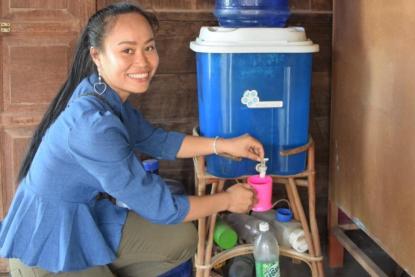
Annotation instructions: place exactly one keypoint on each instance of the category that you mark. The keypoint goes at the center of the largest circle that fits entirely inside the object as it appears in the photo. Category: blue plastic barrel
(252, 13)
(256, 81)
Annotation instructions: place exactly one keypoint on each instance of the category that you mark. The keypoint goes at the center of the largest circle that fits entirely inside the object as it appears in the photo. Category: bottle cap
(151, 165)
(263, 226)
(297, 241)
(283, 215)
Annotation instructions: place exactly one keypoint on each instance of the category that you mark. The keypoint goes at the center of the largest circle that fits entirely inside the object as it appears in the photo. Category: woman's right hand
(242, 198)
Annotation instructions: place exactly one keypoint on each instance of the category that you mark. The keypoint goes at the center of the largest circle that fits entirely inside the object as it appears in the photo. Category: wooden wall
(373, 132)
(172, 102)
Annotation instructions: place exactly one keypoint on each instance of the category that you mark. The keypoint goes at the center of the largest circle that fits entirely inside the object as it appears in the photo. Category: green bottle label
(267, 269)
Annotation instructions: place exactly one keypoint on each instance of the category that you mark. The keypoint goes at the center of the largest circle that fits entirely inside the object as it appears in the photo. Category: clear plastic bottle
(288, 232)
(266, 253)
(246, 226)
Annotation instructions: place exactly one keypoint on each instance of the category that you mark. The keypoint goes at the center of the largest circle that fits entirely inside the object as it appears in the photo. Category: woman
(84, 147)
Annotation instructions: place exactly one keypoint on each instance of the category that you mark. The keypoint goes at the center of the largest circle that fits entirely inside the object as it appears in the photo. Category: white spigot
(262, 167)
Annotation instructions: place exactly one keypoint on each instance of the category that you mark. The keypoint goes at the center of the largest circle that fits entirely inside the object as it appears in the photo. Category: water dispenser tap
(262, 167)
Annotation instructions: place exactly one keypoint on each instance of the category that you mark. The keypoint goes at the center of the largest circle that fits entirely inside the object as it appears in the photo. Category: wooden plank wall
(172, 102)
(373, 132)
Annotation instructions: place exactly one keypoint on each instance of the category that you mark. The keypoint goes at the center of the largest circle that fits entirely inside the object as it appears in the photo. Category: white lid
(263, 226)
(253, 40)
(297, 240)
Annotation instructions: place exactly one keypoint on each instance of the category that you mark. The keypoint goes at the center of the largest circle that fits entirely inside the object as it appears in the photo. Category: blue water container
(252, 13)
(256, 81)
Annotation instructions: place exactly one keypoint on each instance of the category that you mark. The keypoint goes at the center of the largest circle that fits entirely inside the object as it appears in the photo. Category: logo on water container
(251, 99)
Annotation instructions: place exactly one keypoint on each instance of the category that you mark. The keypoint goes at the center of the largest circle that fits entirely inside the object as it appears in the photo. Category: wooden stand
(204, 260)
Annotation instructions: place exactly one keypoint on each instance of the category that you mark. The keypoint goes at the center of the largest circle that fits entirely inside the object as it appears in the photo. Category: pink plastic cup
(263, 188)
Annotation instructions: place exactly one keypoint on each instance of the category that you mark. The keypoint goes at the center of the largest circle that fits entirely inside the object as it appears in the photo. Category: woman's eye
(150, 48)
(128, 51)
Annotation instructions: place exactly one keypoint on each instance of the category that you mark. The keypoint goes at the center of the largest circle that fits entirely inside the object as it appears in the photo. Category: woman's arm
(243, 146)
(238, 198)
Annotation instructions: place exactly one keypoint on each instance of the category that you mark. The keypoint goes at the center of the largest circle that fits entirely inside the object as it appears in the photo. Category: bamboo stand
(204, 260)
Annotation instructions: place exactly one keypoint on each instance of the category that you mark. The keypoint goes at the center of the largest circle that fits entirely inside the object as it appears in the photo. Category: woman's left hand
(244, 146)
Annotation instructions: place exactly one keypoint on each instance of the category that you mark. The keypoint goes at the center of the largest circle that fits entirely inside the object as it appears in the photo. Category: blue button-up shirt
(54, 221)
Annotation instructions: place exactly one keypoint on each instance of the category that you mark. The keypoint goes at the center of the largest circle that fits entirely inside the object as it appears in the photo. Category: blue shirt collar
(87, 86)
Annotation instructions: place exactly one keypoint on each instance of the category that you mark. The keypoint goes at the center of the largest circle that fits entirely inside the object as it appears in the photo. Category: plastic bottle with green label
(266, 253)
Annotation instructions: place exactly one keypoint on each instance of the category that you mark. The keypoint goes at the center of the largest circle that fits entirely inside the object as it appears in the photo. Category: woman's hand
(243, 146)
(241, 197)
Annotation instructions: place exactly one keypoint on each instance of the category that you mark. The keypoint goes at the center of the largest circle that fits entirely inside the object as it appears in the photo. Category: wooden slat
(358, 254)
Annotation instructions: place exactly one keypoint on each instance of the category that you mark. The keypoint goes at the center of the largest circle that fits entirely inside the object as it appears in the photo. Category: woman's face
(128, 59)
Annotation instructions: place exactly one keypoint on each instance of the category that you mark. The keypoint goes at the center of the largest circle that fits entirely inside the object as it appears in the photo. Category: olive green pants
(146, 250)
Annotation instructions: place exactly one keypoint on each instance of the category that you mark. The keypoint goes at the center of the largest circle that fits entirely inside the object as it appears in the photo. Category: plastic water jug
(252, 13)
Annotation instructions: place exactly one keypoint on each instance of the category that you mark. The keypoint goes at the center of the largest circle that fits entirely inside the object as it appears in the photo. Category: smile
(139, 76)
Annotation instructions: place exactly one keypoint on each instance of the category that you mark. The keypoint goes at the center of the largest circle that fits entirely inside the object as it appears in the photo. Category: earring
(100, 87)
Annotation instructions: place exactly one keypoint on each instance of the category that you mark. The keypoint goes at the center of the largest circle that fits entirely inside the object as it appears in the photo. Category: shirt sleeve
(99, 143)
(153, 141)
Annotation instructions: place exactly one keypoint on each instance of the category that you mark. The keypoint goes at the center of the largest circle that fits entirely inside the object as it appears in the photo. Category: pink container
(263, 188)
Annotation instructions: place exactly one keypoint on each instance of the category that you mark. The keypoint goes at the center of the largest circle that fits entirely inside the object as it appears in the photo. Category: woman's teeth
(138, 76)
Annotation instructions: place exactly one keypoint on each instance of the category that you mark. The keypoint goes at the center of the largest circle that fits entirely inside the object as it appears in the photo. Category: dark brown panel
(147, 4)
(372, 151)
(318, 29)
(37, 68)
(173, 4)
(44, 10)
(319, 117)
(14, 147)
(186, 16)
(322, 5)
(170, 98)
(320, 98)
(13, 119)
(180, 170)
(34, 63)
(205, 4)
(173, 40)
(299, 4)
(38, 4)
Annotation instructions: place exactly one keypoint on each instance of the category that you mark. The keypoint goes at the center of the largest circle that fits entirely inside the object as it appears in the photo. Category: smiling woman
(84, 149)
(129, 57)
